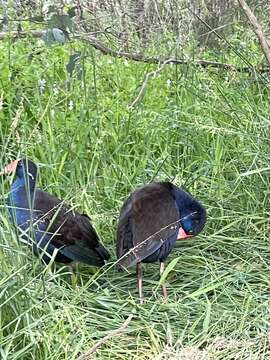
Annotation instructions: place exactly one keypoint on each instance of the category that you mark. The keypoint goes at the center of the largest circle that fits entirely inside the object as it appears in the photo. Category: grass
(205, 130)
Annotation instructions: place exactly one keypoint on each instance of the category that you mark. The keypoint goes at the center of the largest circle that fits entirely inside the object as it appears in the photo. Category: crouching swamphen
(49, 225)
(151, 220)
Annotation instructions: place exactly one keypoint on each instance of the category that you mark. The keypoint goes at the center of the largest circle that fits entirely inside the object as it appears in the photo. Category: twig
(124, 260)
(153, 59)
(217, 28)
(143, 87)
(22, 34)
(1, 101)
(93, 41)
(257, 29)
(100, 342)
(17, 117)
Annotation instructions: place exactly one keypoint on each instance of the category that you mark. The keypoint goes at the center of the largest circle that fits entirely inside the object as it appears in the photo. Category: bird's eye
(189, 230)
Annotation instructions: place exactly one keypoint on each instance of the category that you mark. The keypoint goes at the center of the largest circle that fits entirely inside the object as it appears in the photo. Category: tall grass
(205, 130)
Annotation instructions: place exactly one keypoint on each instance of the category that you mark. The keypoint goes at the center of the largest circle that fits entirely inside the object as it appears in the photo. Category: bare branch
(97, 44)
(157, 60)
(100, 342)
(152, 60)
(22, 34)
(257, 29)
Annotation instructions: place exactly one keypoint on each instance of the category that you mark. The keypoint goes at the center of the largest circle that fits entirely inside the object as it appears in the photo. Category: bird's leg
(161, 271)
(139, 279)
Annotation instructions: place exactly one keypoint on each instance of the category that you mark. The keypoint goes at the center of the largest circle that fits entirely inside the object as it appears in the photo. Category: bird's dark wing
(153, 217)
(124, 231)
(70, 232)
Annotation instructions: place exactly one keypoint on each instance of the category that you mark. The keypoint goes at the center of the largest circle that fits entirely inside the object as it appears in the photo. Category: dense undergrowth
(204, 129)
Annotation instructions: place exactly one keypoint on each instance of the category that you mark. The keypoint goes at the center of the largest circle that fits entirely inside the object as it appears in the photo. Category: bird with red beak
(151, 220)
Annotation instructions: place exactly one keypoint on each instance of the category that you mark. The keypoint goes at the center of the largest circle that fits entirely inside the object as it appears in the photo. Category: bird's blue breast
(19, 204)
(29, 221)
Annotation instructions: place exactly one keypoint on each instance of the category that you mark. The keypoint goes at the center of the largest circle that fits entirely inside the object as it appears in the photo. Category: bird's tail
(103, 253)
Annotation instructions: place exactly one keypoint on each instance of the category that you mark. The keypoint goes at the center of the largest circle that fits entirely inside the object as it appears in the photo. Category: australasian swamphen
(151, 220)
(49, 225)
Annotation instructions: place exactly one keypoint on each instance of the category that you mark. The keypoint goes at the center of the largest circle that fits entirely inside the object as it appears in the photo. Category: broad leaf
(74, 64)
(54, 36)
(63, 22)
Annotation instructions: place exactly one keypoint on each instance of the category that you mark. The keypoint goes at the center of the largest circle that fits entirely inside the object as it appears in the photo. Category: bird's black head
(192, 214)
(193, 218)
(26, 168)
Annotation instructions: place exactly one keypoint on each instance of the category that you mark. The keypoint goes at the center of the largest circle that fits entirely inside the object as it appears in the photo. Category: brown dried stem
(100, 342)
(97, 44)
(144, 84)
(257, 29)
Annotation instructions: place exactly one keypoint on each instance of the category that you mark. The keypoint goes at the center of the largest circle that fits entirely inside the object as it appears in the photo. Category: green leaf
(63, 22)
(54, 36)
(74, 64)
(253, 172)
(52, 9)
(73, 60)
(59, 36)
(206, 320)
(207, 288)
(37, 19)
(72, 11)
(4, 23)
(167, 270)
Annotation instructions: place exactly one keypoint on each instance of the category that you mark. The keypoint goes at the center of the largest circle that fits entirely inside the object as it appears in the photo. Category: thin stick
(140, 282)
(257, 29)
(164, 288)
(158, 59)
(21, 34)
(144, 84)
(111, 334)
(122, 261)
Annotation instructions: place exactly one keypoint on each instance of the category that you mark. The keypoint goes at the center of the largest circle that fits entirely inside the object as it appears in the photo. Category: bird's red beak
(182, 234)
(10, 168)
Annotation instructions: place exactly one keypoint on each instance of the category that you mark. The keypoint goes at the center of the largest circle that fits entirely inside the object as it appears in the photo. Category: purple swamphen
(49, 225)
(151, 220)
